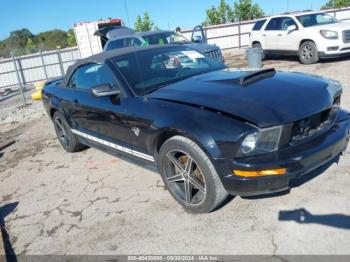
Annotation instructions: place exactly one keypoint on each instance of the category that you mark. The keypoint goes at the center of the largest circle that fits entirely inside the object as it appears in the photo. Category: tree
(24, 42)
(52, 39)
(71, 41)
(245, 10)
(18, 39)
(219, 15)
(145, 24)
(336, 4)
(31, 44)
(242, 10)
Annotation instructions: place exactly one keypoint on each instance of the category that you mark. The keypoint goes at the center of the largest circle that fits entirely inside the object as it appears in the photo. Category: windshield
(316, 19)
(165, 38)
(150, 69)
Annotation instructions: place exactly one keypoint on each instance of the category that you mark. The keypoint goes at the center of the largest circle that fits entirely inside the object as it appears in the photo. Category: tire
(308, 53)
(65, 136)
(200, 178)
(258, 45)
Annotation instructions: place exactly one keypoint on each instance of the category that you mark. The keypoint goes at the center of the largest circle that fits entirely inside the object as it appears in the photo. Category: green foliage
(144, 24)
(224, 13)
(18, 38)
(71, 41)
(245, 10)
(31, 44)
(336, 4)
(52, 39)
(24, 42)
(219, 15)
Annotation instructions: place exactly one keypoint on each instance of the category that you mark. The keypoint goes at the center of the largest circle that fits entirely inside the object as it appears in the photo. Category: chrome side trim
(114, 146)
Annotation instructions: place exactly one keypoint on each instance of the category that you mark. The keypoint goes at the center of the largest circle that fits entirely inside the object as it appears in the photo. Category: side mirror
(197, 39)
(104, 90)
(291, 28)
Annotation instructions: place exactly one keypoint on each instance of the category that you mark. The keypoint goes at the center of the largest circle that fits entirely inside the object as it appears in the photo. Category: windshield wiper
(153, 90)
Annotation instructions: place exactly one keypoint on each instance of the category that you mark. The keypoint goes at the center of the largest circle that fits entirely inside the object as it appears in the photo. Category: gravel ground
(93, 203)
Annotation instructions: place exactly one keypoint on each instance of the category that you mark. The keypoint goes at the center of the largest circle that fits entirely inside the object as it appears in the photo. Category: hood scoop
(241, 78)
(253, 77)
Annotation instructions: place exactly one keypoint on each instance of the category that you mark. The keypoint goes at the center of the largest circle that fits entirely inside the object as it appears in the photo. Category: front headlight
(329, 34)
(263, 141)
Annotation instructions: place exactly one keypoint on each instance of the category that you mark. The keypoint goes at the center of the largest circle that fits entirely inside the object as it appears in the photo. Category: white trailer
(88, 43)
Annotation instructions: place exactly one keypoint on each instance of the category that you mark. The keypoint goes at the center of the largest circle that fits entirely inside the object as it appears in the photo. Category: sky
(43, 15)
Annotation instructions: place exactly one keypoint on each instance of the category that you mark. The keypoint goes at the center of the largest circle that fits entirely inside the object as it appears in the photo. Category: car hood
(203, 48)
(275, 99)
(336, 26)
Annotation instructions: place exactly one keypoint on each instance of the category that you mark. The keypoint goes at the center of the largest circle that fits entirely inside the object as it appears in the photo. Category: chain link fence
(19, 73)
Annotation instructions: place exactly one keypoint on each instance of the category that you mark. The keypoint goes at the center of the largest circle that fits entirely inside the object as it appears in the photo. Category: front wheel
(190, 176)
(308, 53)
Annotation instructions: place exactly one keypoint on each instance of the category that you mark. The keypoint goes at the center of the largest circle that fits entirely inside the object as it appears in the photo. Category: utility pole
(127, 12)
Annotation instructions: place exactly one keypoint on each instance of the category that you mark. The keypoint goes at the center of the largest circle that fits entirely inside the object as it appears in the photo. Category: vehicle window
(128, 68)
(88, 76)
(316, 19)
(165, 38)
(148, 70)
(280, 23)
(258, 25)
(286, 22)
(115, 44)
(125, 42)
(275, 24)
(158, 39)
(132, 41)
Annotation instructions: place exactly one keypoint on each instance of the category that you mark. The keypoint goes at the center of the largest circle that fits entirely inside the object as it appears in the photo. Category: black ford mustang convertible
(210, 131)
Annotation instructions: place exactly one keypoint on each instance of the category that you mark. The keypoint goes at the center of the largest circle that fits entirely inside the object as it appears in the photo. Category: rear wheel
(190, 176)
(308, 53)
(67, 139)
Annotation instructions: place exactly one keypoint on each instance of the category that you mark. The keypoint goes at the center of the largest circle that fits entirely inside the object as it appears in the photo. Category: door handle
(279, 35)
(264, 34)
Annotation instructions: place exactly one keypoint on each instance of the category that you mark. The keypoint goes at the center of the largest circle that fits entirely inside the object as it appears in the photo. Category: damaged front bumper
(298, 160)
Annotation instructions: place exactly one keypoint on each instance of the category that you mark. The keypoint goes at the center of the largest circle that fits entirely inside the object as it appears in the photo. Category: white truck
(89, 43)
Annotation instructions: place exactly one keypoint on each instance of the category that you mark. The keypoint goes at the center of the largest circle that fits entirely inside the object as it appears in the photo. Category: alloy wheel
(307, 52)
(185, 178)
(61, 132)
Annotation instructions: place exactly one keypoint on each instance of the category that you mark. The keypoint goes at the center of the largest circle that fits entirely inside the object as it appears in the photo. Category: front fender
(216, 133)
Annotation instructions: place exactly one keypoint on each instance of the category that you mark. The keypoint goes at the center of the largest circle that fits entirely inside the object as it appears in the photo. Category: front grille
(216, 55)
(315, 124)
(346, 36)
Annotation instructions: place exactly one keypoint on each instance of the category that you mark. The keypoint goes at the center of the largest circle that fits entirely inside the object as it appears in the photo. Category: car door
(289, 39)
(102, 117)
(198, 35)
(271, 34)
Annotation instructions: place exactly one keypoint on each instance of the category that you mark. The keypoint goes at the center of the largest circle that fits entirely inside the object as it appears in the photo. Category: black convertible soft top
(101, 57)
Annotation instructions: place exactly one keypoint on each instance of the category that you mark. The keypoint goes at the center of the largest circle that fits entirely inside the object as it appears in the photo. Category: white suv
(309, 35)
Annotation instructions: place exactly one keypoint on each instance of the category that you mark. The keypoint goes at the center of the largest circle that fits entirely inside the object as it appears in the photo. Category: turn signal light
(269, 172)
